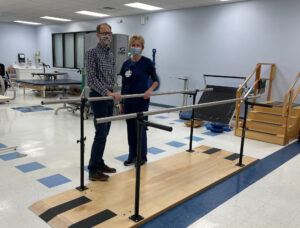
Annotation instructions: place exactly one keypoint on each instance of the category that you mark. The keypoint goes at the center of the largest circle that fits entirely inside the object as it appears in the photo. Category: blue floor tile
(29, 167)
(211, 133)
(176, 144)
(161, 117)
(11, 156)
(54, 180)
(122, 158)
(35, 108)
(180, 121)
(195, 138)
(2, 146)
(154, 150)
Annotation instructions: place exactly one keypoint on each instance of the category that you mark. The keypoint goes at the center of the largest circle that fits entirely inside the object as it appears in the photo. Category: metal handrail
(123, 96)
(249, 77)
(251, 88)
(168, 110)
(253, 73)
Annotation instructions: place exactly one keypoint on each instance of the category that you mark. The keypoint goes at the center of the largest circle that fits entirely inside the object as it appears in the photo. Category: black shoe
(106, 169)
(143, 162)
(129, 162)
(98, 176)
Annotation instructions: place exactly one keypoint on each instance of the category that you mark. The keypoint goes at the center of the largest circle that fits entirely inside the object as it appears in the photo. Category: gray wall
(16, 39)
(226, 39)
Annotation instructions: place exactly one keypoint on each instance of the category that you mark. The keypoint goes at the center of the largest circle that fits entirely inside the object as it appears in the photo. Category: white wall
(16, 39)
(225, 39)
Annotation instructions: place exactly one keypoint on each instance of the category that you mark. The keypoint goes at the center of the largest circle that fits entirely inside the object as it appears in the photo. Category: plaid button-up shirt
(100, 68)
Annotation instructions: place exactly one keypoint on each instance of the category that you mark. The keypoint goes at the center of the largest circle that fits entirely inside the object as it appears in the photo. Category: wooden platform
(164, 184)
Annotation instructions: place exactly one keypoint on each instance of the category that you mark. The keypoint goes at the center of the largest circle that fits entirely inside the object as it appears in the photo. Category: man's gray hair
(99, 27)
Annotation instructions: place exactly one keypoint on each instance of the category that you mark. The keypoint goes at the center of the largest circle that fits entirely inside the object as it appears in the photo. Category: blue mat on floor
(35, 108)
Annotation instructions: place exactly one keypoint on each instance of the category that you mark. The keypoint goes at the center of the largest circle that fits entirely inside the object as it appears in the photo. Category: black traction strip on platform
(94, 219)
(54, 211)
(211, 151)
(232, 157)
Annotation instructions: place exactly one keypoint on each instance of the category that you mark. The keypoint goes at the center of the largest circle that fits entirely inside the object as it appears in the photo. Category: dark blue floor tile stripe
(190, 211)
(35, 108)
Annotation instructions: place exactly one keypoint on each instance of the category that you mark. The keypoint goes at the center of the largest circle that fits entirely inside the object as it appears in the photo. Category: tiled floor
(46, 163)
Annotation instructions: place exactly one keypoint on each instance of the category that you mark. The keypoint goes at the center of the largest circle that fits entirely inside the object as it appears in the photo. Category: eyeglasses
(105, 33)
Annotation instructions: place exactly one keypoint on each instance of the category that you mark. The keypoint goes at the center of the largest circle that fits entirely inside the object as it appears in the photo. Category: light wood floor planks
(164, 184)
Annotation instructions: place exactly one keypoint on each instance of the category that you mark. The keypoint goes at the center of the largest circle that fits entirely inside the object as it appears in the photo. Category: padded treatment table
(41, 85)
(48, 76)
(4, 99)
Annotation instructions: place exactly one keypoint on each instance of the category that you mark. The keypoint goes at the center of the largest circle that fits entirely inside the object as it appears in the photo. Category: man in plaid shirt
(100, 67)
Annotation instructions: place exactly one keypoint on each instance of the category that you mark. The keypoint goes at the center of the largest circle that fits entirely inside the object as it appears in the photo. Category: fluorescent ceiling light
(55, 18)
(143, 6)
(28, 22)
(94, 14)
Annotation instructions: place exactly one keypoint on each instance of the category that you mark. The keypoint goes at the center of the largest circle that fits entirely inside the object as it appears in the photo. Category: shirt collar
(102, 48)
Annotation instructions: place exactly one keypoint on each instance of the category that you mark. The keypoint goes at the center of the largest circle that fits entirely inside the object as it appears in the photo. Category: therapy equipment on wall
(21, 58)
(154, 63)
(37, 57)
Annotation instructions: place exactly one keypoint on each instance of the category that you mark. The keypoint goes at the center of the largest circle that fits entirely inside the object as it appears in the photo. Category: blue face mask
(135, 50)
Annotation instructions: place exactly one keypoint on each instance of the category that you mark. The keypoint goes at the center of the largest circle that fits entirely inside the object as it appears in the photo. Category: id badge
(128, 73)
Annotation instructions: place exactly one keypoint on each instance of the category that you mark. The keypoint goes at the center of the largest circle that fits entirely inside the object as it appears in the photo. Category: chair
(5, 82)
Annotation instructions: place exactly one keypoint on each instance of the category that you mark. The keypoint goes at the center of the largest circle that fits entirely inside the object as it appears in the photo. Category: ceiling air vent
(109, 9)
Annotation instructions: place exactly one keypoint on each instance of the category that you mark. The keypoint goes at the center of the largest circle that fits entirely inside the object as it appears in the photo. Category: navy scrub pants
(132, 131)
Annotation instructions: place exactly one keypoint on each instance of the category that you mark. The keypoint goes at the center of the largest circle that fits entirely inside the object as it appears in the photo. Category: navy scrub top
(135, 77)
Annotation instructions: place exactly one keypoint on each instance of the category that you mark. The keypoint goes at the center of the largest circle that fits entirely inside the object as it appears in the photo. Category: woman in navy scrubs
(136, 72)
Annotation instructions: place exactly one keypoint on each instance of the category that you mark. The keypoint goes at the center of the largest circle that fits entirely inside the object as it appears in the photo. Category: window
(58, 50)
(79, 47)
(68, 50)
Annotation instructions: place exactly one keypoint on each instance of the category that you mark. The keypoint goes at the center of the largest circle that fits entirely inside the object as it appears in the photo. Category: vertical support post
(139, 125)
(243, 134)
(238, 109)
(287, 116)
(82, 144)
(192, 123)
(257, 78)
(272, 75)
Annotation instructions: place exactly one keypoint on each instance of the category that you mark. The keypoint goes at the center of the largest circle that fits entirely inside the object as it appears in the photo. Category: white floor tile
(49, 139)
